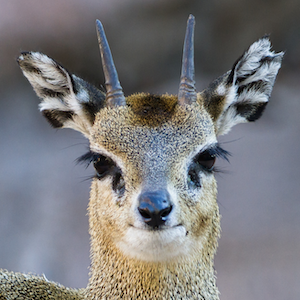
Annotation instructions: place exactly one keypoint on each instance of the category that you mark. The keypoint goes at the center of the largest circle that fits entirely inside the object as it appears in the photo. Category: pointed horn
(114, 92)
(187, 91)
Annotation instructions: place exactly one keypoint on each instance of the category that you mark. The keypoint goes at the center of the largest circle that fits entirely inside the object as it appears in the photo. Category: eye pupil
(206, 160)
(103, 166)
(207, 164)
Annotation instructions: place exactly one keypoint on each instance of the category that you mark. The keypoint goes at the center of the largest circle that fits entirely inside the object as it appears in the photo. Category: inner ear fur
(241, 94)
(67, 100)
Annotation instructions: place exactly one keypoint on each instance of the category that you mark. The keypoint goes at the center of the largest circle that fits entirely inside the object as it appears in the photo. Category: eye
(206, 160)
(103, 166)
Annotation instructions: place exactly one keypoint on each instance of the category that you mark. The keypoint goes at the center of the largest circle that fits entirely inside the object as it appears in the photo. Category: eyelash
(204, 162)
(102, 164)
(87, 158)
(206, 159)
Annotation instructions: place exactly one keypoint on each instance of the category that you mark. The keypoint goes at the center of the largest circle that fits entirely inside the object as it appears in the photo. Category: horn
(187, 91)
(114, 92)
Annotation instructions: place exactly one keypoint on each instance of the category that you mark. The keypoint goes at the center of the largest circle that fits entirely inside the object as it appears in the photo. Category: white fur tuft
(253, 78)
(54, 85)
(155, 246)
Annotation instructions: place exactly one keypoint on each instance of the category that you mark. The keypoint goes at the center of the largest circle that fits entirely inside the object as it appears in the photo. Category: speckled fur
(116, 276)
(153, 141)
(30, 287)
(131, 139)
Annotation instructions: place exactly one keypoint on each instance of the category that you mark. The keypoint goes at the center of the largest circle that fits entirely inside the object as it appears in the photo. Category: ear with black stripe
(242, 94)
(67, 101)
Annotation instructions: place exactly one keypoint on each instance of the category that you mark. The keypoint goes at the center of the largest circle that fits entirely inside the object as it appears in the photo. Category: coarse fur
(145, 144)
(28, 287)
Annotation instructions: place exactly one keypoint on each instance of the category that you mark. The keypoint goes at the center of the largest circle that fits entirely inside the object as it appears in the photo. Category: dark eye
(206, 160)
(202, 162)
(103, 166)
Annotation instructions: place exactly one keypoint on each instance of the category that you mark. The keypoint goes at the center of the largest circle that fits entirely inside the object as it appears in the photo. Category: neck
(112, 279)
(115, 276)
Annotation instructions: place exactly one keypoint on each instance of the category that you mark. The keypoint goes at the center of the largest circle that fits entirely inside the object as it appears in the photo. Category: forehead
(152, 124)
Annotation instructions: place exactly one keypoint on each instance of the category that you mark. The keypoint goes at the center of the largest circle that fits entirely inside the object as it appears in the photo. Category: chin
(159, 245)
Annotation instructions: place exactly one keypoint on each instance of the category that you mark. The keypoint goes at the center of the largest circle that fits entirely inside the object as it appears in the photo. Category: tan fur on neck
(115, 276)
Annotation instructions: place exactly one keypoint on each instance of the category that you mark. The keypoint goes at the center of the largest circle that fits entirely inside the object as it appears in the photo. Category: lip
(163, 228)
(161, 244)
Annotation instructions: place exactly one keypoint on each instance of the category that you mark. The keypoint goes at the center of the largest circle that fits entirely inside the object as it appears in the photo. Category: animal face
(138, 162)
(154, 193)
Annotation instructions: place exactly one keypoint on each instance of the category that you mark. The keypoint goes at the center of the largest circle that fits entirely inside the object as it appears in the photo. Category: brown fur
(214, 103)
(31, 287)
(115, 276)
(122, 133)
(152, 110)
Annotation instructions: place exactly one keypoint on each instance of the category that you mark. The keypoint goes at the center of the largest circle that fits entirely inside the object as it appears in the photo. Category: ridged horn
(187, 91)
(114, 91)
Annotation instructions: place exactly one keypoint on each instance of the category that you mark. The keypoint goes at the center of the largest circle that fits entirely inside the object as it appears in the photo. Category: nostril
(155, 207)
(145, 213)
(166, 211)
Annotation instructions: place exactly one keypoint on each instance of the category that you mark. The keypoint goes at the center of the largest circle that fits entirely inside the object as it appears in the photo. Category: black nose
(155, 207)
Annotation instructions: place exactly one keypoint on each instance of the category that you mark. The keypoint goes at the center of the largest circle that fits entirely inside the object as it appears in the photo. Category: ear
(67, 101)
(242, 94)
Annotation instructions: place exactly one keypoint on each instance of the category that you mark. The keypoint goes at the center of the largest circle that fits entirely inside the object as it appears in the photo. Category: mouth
(161, 244)
(159, 228)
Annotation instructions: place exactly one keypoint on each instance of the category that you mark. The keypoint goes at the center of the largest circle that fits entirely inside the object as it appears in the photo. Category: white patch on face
(170, 242)
(155, 245)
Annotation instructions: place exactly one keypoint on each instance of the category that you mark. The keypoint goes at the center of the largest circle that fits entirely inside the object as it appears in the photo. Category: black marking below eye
(119, 184)
(193, 178)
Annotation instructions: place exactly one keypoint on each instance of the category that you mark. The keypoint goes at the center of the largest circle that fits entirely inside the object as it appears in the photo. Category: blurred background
(44, 194)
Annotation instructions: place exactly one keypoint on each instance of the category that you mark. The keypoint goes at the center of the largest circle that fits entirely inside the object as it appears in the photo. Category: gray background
(44, 195)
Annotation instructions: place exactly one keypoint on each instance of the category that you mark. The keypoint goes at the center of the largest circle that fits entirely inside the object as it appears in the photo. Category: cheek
(208, 198)
(102, 206)
(101, 194)
(198, 216)
(106, 211)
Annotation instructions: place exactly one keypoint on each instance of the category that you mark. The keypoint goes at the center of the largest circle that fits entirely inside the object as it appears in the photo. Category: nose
(154, 207)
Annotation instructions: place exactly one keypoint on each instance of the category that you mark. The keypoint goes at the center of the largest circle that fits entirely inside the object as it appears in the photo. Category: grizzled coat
(154, 218)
